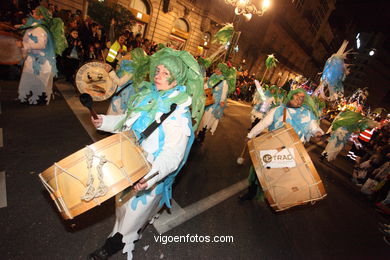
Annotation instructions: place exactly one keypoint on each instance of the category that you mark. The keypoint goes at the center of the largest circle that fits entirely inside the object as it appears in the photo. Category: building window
(206, 39)
(298, 4)
(181, 25)
(324, 5)
(141, 11)
(140, 6)
(180, 34)
(316, 23)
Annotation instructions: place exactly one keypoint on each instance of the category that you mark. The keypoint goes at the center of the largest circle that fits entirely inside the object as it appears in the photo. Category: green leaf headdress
(56, 28)
(224, 35)
(352, 121)
(185, 70)
(141, 63)
(229, 74)
(271, 61)
(308, 102)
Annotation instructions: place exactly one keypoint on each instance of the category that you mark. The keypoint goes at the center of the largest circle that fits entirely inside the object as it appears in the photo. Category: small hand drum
(92, 78)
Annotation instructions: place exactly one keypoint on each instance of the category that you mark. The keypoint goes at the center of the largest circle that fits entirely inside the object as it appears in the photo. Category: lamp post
(247, 9)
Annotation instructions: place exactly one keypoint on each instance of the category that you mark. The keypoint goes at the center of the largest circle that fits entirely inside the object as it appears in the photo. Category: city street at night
(341, 226)
(194, 129)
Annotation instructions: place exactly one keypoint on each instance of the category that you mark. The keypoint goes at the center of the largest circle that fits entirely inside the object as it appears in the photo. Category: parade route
(178, 215)
(343, 225)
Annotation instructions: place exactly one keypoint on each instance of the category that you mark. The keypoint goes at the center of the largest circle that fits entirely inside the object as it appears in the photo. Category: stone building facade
(179, 23)
(297, 32)
(299, 35)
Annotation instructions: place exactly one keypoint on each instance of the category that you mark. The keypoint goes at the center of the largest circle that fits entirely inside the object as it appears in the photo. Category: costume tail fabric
(337, 141)
(333, 75)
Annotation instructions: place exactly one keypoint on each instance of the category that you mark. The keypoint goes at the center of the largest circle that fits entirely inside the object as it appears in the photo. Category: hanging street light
(246, 8)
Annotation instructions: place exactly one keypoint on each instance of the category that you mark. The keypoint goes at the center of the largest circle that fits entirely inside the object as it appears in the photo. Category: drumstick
(240, 160)
(86, 100)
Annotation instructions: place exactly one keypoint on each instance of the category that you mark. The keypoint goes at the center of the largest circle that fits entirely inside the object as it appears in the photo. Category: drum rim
(92, 61)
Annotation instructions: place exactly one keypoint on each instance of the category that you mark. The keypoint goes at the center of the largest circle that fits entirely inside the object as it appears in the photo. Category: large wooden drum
(94, 174)
(284, 169)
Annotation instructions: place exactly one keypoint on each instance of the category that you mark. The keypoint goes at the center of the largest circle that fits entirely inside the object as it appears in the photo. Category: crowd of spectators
(245, 87)
(372, 165)
(87, 40)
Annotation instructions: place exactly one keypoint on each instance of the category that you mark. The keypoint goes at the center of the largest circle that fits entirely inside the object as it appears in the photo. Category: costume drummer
(125, 89)
(176, 79)
(262, 102)
(39, 68)
(300, 114)
(222, 83)
(343, 126)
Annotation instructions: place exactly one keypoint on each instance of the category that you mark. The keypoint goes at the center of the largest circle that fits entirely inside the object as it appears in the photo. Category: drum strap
(216, 84)
(153, 126)
(284, 115)
(123, 88)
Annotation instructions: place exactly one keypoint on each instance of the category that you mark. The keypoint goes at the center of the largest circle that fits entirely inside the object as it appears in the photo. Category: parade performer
(121, 78)
(175, 79)
(343, 126)
(262, 102)
(333, 75)
(43, 39)
(298, 109)
(222, 83)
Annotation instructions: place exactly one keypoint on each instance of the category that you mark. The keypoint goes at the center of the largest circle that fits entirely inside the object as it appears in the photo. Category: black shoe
(250, 194)
(201, 136)
(246, 196)
(98, 254)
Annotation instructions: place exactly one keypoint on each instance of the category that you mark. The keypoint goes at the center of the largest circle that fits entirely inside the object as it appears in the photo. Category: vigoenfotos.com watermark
(193, 239)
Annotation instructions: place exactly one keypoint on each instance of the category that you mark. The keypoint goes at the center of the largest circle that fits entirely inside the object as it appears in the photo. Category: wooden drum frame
(286, 187)
(109, 166)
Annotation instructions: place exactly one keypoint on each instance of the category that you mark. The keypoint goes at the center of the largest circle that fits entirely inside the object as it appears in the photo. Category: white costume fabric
(274, 121)
(213, 113)
(173, 135)
(336, 143)
(37, 76)
(262, 102)
(124, 95)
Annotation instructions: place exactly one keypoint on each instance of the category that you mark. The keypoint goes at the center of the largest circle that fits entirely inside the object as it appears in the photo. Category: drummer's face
(162, 78)
(297, 100)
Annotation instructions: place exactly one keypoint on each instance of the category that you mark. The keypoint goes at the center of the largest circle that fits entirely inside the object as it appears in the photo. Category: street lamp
(246, 8)
(371, 53)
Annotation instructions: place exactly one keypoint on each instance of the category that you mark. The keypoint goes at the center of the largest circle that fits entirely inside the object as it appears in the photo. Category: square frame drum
(115, 162)
(285, 187)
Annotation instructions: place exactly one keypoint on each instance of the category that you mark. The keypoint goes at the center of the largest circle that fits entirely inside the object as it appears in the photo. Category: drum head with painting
(93, 79)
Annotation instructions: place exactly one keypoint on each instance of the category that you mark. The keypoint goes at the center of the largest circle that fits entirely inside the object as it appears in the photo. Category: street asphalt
(344, 225)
